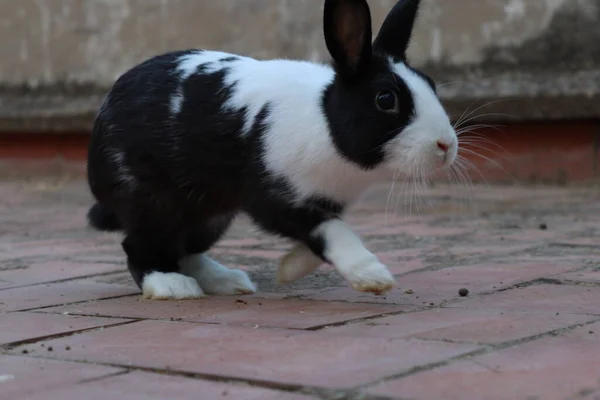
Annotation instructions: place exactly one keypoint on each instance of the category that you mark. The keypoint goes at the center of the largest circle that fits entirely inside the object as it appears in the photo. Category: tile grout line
(100, 274)
(13, 345)
(107, 376)
(321, 392)
(484, 350)
(314, 328)
(447, 304)
(34, 309)
(76, 314)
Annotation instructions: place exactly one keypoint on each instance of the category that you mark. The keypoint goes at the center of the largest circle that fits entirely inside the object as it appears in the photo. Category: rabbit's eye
(387, 101)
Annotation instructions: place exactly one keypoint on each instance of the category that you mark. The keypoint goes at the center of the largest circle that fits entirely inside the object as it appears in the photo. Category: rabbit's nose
(443, 146)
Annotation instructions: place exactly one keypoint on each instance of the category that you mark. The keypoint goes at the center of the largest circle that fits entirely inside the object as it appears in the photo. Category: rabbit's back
(163, 122)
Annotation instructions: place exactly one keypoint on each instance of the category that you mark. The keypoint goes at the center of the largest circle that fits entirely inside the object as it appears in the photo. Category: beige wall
(57, 57)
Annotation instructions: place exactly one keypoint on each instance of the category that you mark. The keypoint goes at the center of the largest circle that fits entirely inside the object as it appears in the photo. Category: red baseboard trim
(557, 152)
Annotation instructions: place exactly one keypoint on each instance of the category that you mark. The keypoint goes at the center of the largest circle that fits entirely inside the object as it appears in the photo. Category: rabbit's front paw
(371, 277)
(170, 286)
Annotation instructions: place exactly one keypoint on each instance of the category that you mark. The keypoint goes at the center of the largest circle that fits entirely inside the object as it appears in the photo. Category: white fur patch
(170, 286)
(124, 174)
(189, 63)
(176, 102)
(359, 266)
(216, 279)
(417, 146)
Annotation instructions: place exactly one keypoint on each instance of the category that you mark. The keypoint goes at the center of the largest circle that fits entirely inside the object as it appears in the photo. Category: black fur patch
(359, 130)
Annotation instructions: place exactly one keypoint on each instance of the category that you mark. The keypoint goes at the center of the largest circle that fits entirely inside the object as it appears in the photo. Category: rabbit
(187, 140)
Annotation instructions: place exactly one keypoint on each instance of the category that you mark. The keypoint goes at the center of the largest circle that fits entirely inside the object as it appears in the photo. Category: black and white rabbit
(186, 140)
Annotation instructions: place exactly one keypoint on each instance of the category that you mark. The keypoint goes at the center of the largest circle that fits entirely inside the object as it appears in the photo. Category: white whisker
(474, 153)
(462, 120)
(390, 195)
(473, 118)
(473, 128)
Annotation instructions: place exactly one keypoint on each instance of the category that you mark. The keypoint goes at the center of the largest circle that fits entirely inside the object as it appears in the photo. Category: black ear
(395, 33)
(347, 28)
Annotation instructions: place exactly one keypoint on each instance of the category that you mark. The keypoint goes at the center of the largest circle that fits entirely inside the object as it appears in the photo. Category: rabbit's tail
(102, 218)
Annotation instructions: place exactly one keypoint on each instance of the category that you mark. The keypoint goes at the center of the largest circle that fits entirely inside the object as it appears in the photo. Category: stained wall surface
(536, 59)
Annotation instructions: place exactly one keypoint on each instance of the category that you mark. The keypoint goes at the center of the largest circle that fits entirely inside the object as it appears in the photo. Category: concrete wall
(58, 57)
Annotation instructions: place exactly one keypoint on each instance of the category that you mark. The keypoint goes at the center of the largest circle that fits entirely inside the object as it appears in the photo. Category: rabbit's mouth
(446, 151)
(417, 153)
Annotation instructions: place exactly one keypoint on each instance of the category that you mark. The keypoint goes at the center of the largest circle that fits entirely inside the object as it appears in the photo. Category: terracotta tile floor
(72, 324)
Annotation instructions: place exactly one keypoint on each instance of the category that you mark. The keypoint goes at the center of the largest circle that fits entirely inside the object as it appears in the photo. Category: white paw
(230, 283)
(297, 263)
(214, 278)
(371, 277)
(170, 286)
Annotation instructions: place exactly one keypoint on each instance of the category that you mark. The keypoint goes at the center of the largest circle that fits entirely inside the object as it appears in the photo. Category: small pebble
(409, 291)
(50, 348)
(68, 348)
(463, 292)
(543, 226)
(25, 351)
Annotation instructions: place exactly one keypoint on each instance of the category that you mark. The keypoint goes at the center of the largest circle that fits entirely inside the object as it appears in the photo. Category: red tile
(442, 285)
(588, 394)
(58, 293)
(308, 358)
(548, 368)
(28, 378)
(377, 229)
(34, 272)
(397, 296)
(479, 278)
(251, 311)
(540, 298)
(593, 242)
(532, 235)
(18, 327)
(400, 262)
(115, 257)
(271, 255)
(459, 325)
(243, 242)
(462, 380)
(146, 386)
(52, 248)
(588, 275)
(498, 248)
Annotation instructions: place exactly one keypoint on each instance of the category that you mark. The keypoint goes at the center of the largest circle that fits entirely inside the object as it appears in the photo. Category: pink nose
(443, 146)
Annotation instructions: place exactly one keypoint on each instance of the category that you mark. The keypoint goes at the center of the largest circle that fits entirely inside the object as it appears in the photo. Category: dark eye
(387, 101)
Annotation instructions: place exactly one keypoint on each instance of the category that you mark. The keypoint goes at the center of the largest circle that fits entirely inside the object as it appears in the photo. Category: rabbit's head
(382, 112)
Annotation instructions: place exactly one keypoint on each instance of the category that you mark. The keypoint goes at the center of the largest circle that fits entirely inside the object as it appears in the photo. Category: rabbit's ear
(347, 28)
(395, 33)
